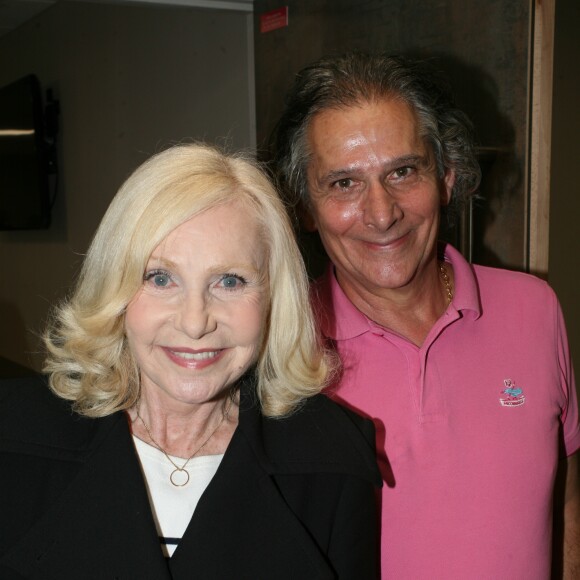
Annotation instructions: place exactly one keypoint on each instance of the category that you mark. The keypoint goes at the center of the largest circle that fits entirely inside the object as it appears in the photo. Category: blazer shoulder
(321, 436)
(35, 421)
(341, 419)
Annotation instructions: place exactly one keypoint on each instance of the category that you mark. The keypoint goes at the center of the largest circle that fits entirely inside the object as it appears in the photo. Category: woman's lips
(193, 359)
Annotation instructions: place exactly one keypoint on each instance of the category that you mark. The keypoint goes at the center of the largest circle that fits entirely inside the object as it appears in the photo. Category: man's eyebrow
(412, 159)
(336, 174)
(390, 165)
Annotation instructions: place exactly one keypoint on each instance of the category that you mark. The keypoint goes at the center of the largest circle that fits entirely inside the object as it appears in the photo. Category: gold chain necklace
(181, 471)
(446, 282)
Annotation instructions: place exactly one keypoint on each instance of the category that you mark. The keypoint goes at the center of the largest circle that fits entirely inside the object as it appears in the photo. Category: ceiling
(13, 13)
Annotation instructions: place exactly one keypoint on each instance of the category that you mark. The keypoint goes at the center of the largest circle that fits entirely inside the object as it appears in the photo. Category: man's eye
(343, 183)
(402, 172)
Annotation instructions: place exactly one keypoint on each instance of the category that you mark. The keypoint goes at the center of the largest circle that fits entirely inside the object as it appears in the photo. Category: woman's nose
(195, 316)
(380, 209)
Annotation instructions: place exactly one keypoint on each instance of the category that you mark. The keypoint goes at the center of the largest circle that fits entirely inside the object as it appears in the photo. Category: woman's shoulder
(34, 420)
(320, 436)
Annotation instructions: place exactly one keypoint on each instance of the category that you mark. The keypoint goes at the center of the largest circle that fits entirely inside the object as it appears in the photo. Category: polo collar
(466, 291)
(339, 319)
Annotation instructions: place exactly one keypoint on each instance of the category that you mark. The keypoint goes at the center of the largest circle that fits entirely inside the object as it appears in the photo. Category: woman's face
(196, 325)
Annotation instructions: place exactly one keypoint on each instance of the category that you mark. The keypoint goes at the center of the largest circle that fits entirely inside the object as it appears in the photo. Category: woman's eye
(158, 279)
(161, 280)
(232, 282)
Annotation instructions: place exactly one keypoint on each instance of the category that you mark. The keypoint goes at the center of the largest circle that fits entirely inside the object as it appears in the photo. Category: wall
(130, 80)
(564, 271)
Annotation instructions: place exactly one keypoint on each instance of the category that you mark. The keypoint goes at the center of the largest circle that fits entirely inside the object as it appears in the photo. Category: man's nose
(381, 210)
(195, 316)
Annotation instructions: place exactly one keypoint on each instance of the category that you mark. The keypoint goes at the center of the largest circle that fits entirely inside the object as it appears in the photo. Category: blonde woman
(183, 434)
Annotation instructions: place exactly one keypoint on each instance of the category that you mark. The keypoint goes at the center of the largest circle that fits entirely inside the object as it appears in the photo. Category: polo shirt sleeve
(571, 427)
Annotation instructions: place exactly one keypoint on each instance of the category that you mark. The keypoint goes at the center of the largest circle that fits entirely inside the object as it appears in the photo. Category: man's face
(375, 196)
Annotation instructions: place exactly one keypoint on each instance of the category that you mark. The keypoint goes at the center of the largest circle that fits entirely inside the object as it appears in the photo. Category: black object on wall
(27, 155)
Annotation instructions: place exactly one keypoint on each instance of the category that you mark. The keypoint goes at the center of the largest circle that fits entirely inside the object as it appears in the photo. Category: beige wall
(131, 80)
(564, 269)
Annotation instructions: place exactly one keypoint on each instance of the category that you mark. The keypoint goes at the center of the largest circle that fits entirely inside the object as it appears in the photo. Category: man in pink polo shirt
(464, 369)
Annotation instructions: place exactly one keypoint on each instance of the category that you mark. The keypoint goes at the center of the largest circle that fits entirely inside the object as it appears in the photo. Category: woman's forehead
(227, 230)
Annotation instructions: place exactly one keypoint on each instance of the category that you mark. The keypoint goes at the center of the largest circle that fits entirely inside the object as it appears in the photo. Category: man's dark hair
(353, 78)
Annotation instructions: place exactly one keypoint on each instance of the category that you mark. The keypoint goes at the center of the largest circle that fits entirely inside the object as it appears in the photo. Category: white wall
(130, 80)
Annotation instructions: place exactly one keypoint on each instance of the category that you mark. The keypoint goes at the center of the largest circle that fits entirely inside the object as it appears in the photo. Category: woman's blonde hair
(89, 361)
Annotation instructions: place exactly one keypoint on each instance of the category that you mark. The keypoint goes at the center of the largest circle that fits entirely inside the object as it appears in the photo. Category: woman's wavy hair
(348, 80)
(89, 361)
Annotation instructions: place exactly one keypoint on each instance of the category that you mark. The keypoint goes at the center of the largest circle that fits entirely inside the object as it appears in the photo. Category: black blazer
(293, 498)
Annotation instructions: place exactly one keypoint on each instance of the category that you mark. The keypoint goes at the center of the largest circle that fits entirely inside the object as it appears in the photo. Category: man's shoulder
(509, 276)
(502, 281)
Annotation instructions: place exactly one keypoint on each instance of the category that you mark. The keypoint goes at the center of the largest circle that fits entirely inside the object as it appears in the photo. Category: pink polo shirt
(470, 426)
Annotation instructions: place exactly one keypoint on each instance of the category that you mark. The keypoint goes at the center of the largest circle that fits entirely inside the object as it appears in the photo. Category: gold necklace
(181, 470)
(446, 282)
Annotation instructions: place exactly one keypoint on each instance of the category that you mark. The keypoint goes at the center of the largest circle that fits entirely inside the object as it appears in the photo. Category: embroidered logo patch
(513, 396)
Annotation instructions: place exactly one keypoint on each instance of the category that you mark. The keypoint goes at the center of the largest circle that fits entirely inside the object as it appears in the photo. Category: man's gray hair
(353, 78)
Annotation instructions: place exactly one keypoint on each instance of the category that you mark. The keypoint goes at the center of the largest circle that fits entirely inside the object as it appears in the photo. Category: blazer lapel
(102, 526)
(242, 528)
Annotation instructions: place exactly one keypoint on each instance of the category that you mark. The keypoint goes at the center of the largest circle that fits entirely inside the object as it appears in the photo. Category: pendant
(179, 477)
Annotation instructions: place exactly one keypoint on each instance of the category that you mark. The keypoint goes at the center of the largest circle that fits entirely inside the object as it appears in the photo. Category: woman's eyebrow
(160, 261)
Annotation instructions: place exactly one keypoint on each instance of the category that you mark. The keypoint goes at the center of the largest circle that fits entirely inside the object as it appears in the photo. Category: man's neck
(410, 311)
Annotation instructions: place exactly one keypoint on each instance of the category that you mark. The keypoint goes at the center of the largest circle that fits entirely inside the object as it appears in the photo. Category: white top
(173, 506)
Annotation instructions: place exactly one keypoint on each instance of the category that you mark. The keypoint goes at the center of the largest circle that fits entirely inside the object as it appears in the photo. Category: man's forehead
(385, 112)
(340, 136)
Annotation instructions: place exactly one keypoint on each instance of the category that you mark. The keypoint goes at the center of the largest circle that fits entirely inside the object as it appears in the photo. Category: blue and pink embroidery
(514, 396)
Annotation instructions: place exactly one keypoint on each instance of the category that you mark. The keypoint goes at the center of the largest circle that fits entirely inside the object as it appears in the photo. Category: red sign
(274, 19)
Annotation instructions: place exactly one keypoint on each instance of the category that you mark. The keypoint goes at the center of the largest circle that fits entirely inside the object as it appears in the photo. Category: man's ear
(307, 221)
(447, 186)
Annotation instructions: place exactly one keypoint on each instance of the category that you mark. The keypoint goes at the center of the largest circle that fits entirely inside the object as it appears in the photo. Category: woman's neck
(186, 430)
